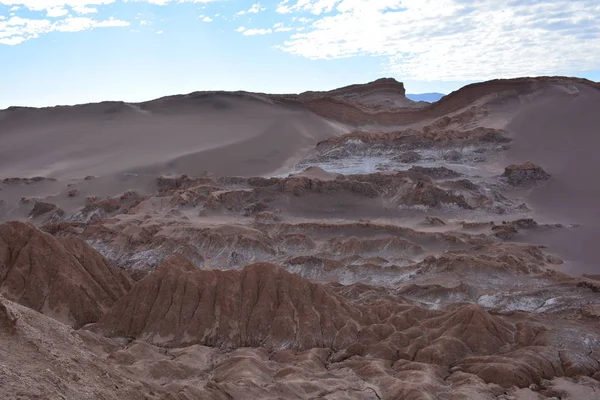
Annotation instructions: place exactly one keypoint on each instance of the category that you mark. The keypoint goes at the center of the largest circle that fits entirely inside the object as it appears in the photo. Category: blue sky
(73, 51)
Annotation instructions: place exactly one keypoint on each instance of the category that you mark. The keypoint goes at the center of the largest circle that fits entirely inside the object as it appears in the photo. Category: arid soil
(350, 244)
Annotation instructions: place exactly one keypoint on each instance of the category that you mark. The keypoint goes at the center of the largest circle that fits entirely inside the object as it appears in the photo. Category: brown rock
(432, 196)
(267, 217)
(452, 155)
(436, 172)
(378, 246)
(524, 174)
(408, 157)
(262, 305)
(297, 242)
(8, 322)
(41, 208)
(433, 221)
(130, 194)
(168, 183)
(61, 277)
(505, 232)
(27, 181)
(63, 228)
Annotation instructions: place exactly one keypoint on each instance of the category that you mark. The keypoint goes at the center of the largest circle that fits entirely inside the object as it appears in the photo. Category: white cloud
(165, 2)
(77, 24)
(207, 19)
(54, 12)
(303, 20)
(84, 9)
(12, 41)
(454, 39)
(279, 27)
(314, 6)
(160, 32)
(253, 32)
(240, 29)
(41, 5)
(17, 30)
(256, 8)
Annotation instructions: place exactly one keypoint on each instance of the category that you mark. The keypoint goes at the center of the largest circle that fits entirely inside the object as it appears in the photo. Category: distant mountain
(429, 97)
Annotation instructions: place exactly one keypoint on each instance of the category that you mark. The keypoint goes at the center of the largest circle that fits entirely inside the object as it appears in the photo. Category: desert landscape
(345, 244)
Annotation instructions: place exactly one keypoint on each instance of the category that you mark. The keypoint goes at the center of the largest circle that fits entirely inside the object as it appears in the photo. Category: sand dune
(561, 133)
(222, 133)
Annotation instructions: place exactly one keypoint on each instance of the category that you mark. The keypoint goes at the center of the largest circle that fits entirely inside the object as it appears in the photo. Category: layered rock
(403, 188)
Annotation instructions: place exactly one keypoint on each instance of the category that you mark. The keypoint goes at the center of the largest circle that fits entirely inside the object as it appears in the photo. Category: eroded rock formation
(61, 277)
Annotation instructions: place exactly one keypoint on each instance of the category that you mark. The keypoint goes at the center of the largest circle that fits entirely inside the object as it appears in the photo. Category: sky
(76, 51)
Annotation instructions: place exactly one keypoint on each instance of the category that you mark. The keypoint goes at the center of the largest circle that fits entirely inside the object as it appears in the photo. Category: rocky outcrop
(407, 157)
(61, 277)
(431, 136)
(26, 181)
(491, 260)
(403, 188)
(525, 174)
(8, 321)
(436, 172)
(433, 221)
(352, 112)
(452, 155)
(382, 246)
(42, 208)
(381, 94)
(263, 305)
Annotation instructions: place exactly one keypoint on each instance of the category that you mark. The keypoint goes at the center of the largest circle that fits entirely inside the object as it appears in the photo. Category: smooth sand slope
(562, 133)
(226, 134)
